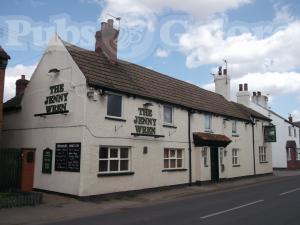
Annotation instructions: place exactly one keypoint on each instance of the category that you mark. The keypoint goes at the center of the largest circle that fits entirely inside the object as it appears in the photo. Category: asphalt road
(271, 203)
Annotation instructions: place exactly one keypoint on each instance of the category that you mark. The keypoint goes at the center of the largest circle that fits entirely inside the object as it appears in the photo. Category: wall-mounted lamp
(145, 150)
(101, 92)
(91, 94)
(53, 71)
(147, 104)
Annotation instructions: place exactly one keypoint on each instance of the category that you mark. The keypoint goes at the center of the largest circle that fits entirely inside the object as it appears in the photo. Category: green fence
(10, 169)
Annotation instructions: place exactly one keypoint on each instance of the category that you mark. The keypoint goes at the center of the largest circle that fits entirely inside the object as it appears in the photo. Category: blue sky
(185, 39)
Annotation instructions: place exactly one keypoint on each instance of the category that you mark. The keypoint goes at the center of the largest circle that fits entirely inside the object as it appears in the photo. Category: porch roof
(209, 139)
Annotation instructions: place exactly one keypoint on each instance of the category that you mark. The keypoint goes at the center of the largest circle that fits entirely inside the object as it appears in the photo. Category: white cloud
(296, 115)
(142, 12)
(246, 53)
(12, 74)
(162, 53)
(282, 14)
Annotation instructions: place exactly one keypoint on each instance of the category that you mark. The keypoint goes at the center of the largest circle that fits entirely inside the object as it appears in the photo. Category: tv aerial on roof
(115, 18)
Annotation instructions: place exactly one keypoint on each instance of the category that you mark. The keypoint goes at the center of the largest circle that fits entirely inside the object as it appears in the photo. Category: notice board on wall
(67, 157)
(47, 161)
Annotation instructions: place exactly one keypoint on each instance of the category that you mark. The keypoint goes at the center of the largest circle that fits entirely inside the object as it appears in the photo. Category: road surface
(275, 202)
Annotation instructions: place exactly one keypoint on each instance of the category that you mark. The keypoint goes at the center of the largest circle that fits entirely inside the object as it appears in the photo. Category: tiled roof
(13, 104)
(297, 124)
(251, 112)
(208, 139)
(137, 80)
(3, 54)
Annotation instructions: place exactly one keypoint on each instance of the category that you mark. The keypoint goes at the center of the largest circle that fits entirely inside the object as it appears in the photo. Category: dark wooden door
(28, 159)
(214, 164)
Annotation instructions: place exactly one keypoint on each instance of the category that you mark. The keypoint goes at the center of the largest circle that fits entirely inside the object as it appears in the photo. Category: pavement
(60, 209)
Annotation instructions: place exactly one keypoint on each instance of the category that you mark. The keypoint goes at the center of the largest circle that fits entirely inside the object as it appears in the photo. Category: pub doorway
(214, 164)
(27, 174)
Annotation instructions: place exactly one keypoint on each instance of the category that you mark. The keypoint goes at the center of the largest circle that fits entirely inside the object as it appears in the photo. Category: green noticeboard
(47, 161)
(270, 134)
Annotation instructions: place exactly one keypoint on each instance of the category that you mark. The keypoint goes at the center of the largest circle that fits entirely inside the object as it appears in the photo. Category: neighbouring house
(286, 144)
(4, 57)
(101, 125)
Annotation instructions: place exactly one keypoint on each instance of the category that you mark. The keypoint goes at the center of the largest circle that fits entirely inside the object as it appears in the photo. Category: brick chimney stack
(107, 40)
(4, 57)
(21, 84)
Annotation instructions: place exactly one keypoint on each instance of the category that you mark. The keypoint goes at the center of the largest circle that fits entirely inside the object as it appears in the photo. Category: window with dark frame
(114, 105)
(208, 121)
(168, 114)
(290, 131)
(234, 127)
(114, 159)
(173, 158)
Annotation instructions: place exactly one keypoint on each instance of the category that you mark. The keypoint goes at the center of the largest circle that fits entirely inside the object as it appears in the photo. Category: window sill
(264, 162)
(115, 174)
(169, 126)
(236, 165)
(173, 170)
(235, 135)
(115, 118)
(208, 131)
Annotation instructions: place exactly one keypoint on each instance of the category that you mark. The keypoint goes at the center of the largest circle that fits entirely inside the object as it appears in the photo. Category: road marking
(291, 191)
(232, 209)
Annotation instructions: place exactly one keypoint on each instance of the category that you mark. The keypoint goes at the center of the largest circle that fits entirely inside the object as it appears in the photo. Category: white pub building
(101, 125)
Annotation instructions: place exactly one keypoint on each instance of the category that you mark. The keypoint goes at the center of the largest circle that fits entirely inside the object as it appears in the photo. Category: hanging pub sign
(145, 125)
(47, 161)
(56, 101)
(67, 157)
(270, 134)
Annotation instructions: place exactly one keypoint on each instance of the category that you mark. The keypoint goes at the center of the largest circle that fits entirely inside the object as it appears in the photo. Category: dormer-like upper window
(168, 114)
(114, 105)
(208, 122)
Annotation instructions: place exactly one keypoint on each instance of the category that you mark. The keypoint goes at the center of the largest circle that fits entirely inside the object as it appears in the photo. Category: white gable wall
(23, 130)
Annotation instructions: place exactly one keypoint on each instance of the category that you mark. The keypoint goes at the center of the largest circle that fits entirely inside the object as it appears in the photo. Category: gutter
(190, 147)
(253, 145)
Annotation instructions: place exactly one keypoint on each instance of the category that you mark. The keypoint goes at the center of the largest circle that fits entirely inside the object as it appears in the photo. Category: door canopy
(208, 139)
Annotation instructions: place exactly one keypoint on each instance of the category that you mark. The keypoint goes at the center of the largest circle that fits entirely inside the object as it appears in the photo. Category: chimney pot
(246, 87)
(220, 71)
(110, 23)
(240, 87)
(259, 93)
(290, 118)
(254, 93)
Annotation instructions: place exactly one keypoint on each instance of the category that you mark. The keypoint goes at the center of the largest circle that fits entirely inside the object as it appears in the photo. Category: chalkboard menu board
(47, 161)
(67, 157)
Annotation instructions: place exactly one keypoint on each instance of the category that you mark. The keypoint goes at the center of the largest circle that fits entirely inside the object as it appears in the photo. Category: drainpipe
(253, 144)
(190, 148)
